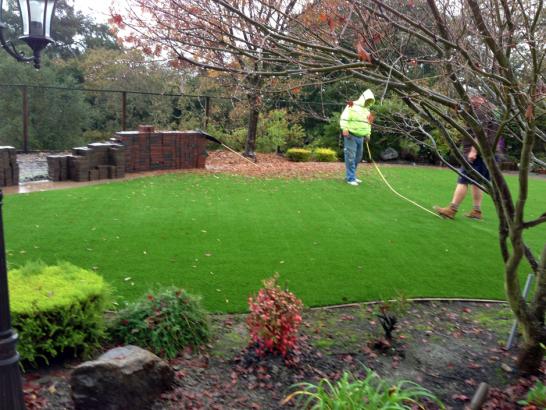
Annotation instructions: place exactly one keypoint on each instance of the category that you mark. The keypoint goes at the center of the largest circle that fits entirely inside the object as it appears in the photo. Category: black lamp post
(36, 16)
(11, 388)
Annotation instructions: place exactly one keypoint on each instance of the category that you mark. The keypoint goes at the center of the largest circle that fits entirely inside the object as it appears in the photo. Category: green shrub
(56, 309)
(163, 322)
(235, 139)
(298, 154)
(536, 396)
(370, 393)
(409, 150)
(324, 155)
(278, 130)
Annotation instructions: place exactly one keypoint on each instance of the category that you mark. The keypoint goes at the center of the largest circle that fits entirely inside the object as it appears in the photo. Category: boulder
(123, 378)
(389, 154)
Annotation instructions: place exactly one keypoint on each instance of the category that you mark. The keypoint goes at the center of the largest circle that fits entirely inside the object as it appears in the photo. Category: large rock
(389, 154)
(123, 378)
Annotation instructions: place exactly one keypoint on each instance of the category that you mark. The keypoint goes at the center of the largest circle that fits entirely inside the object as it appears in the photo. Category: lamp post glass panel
(36, 16)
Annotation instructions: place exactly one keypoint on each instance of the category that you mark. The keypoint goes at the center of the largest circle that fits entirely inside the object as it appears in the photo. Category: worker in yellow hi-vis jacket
(356, 126)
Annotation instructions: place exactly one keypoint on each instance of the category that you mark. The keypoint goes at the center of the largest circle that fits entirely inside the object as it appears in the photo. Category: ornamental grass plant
(370, 393)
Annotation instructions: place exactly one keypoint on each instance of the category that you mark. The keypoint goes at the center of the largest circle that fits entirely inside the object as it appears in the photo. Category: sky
(96, 8)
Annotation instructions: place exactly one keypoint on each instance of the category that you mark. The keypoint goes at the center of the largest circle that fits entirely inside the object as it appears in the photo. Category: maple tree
(205, 35)
(436, 55)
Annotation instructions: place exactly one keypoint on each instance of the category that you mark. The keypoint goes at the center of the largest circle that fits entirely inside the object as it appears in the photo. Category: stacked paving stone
(9, 170)
(147, 149)
(130, 151)
(99, 160)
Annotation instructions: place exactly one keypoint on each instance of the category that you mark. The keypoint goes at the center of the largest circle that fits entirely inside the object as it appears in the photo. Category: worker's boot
(447, 212)
(474, 214)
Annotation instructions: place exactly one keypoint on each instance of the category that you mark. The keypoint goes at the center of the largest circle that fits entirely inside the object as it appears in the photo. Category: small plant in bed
(163, 322)
(388, 313)
(369, 393)
(274, 319)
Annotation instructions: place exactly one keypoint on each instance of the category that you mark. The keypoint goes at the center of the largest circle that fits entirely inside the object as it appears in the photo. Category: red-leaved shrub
(274, 319)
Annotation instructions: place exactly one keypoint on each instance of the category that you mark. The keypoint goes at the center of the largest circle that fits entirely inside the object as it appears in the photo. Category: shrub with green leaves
(370, 393)
(163, 322)
(324, 155)
(298, 154)
(536, 396)
(57, 310)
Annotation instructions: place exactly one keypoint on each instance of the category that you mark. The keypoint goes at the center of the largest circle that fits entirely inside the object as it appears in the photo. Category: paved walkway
(46, 185)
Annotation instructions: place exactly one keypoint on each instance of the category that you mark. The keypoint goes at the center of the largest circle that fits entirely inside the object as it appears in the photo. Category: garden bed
(448, 347)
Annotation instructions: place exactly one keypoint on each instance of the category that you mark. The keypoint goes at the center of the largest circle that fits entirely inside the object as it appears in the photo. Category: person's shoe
(474, 214)
(353, 183)
(358, 180)
(447, 212)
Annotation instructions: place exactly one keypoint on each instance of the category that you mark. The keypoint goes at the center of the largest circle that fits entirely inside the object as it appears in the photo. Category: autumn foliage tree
(436, 55)
(206, 35)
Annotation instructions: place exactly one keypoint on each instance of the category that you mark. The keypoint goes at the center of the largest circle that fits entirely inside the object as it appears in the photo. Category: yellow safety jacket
(355, 118)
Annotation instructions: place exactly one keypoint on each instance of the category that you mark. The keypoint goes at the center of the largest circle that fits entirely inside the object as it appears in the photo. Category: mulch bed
(448, 347)
(271, 165)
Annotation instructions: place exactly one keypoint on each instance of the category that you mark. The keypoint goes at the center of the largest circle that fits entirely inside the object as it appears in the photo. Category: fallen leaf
(506, 368)
(363, 55)
(460, 397)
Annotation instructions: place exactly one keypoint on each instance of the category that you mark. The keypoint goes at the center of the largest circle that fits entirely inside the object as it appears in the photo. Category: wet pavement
(46, 185)
(32, 167)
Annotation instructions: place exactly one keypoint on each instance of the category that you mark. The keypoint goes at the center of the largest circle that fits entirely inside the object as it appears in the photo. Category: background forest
(77, 97)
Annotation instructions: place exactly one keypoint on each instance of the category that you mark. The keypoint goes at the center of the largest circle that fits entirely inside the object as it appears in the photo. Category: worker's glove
(365, 140)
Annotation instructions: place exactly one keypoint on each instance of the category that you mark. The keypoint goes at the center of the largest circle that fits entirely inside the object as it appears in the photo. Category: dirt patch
(448, 348)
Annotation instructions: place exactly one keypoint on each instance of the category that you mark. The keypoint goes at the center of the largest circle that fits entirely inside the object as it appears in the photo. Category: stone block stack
(96, 161)
(131, 151)
(9, 170)
(57, 167)
(147, 149)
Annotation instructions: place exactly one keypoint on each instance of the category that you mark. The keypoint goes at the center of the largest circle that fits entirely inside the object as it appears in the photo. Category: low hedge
(324, 155)
(56, 310)
(298, 154)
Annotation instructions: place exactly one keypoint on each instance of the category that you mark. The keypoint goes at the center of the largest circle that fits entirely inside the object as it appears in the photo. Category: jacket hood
(366, 96)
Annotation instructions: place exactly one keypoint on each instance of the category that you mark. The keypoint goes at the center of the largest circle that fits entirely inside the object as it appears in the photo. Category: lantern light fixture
(36, 16)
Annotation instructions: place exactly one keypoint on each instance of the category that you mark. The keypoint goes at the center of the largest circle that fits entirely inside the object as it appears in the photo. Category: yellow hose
(394, 190)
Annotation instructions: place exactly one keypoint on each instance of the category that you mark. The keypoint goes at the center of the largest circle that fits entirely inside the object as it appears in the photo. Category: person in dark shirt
(484, 112)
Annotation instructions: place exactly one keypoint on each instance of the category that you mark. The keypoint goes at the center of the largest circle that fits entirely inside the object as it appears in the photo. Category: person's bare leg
(459, 194)
(477, 197)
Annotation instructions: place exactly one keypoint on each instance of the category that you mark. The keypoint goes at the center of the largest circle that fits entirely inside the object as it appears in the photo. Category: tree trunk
(254, 114)
(528, 314)
(530, 358)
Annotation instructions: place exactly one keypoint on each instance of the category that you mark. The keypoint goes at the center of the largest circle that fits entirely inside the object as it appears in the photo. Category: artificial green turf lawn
(219, 236)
